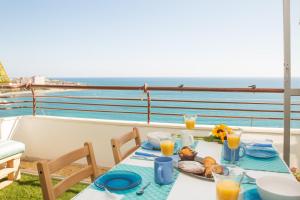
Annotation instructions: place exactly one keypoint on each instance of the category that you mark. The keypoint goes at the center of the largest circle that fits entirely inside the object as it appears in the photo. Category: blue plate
(261, 153)
(147, 145)
(251, 195)
(119, 180)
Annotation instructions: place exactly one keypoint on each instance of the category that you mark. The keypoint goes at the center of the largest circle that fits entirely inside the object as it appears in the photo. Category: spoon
(141, 192)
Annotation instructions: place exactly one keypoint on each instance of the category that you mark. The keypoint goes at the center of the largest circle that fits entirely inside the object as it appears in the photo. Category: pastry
(191, 167)
(208, 161)
(218, 169)
(187, 153)
(208, 172)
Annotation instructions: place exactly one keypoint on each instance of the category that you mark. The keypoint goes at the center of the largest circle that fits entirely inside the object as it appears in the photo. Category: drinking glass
(233, 140)
(167, 146)
(227, 186)
(190, 121)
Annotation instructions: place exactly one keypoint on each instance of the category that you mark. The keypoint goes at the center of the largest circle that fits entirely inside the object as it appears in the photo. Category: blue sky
(65, 38)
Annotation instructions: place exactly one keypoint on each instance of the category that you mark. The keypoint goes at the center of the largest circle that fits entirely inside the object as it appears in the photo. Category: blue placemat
(261, 164)
(154, 191)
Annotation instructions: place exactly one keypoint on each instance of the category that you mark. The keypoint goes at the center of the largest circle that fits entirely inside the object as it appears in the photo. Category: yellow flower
(221, 130)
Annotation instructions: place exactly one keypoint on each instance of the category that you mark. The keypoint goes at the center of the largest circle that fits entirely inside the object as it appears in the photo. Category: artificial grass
(28, 187)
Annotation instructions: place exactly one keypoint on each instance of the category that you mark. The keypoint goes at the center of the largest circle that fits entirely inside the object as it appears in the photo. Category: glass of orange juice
(167, 146)
(227, 186)
(190, 121)
(233, 140)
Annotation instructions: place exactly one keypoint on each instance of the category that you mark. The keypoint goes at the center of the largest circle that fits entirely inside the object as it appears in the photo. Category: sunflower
(221, 130)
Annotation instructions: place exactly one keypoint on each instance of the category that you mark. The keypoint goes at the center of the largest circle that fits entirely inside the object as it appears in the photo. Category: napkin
(258, 143)
(258, 148)
(251, 194)
(92, 194)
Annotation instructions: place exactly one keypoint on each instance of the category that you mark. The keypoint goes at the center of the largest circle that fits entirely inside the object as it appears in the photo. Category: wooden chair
(46, 168)
(117, 143)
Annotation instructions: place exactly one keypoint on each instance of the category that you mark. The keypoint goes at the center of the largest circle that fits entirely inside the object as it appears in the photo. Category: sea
(186, 81)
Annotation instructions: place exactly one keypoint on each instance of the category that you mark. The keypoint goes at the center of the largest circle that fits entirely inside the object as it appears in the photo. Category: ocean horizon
(173, 81)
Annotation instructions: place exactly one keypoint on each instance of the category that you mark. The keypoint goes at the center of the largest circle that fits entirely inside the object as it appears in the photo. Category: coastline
(28, 92)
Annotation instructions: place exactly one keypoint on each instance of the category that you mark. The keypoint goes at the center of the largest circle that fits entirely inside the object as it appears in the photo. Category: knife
(142, 158)
(145, 154)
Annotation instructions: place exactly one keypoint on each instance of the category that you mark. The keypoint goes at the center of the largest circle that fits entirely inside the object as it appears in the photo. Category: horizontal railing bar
(14, 86)
(150, 88)
(92, 104)
(87, 110)
(165, 114)
(14, 107)
(89, 87)
(157, 100)
(162, 100)
(222, 109)
(16, 96)
(224, 116)
(89, 98)
(220, 102)
(164, 107)
(210, 89)
(14, 102)
(165, 88)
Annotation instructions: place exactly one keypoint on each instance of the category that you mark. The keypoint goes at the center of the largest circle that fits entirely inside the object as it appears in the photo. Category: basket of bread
(199, 167)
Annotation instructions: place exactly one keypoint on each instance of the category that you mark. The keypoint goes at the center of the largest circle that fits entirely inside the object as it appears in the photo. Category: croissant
(208, 161)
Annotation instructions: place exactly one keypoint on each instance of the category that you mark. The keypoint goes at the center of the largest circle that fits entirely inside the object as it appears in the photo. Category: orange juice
(228, 190)
(190, 123)
(233, 141)
(167, 147)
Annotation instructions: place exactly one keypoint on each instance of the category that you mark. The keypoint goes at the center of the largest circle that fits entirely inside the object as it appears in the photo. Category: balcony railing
(150, 106)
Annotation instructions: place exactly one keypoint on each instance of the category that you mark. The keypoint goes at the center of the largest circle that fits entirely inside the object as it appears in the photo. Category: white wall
(49, 137)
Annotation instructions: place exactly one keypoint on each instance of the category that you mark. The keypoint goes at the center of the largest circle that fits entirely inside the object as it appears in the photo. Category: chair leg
(16, 175)
(17, 165)
(10, 164)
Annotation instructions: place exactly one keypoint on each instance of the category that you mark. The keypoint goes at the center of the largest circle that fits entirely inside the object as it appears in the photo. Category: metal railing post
(149, 107)
(33, 100)
(148, 103)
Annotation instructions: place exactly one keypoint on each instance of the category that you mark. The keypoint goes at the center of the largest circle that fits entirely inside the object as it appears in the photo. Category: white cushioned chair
(10, 155)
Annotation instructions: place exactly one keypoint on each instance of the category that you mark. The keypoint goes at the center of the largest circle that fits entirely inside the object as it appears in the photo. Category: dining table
(185, 186)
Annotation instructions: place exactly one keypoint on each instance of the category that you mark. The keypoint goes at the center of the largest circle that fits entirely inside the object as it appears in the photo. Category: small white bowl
(155, 137)
(278, 188)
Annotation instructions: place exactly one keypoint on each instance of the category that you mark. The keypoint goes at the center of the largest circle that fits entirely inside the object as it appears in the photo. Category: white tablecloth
(185, 187)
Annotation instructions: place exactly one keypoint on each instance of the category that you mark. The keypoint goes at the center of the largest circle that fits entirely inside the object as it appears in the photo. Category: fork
(102, 187)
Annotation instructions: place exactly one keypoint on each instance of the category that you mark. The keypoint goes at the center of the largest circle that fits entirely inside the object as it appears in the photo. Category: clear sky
(86, 38)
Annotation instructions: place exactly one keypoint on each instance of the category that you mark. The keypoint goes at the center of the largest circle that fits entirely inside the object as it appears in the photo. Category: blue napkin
(259, 148)
(261, 151)
(251, 195)
(259, 143)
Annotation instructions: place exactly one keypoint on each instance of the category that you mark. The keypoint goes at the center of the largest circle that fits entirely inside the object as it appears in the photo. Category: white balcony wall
(8, 127)
(49, 137)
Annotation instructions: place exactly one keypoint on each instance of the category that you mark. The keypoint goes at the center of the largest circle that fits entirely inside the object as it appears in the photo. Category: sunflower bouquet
(219, 133)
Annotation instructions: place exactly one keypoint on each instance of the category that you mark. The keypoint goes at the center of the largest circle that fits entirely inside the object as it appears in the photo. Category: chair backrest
(46, 168)
(118, 142)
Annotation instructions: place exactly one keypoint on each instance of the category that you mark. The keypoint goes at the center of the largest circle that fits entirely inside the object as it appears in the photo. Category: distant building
(38, 80)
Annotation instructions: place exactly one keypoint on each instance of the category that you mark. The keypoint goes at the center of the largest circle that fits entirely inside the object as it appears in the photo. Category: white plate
(278, 188)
